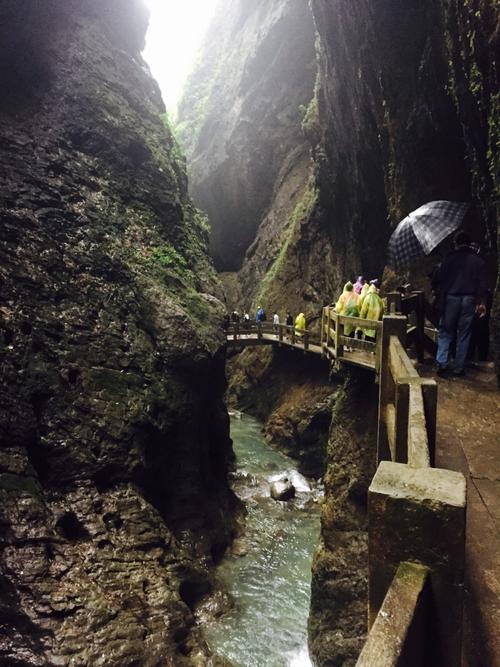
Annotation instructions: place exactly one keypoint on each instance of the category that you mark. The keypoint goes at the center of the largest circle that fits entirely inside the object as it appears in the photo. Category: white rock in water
(282, 490)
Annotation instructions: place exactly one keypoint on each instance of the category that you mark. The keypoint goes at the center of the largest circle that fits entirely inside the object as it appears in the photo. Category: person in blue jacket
(261, 315)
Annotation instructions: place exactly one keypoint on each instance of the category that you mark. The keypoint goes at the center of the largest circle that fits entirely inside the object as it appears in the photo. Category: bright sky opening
(175, 34)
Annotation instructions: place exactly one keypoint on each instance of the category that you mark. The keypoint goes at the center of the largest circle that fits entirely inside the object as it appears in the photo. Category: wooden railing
(264, 331)
(416, 523)
(334, 341)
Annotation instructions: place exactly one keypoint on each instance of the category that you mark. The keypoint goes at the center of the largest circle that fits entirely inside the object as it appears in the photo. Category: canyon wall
(239, 120)
(113, 433)
(404, 111)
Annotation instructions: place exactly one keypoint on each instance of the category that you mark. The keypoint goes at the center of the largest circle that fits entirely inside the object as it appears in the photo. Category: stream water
(269, 580)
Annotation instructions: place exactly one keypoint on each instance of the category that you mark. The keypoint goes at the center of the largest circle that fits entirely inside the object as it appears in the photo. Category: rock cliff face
(114, 437)
(240, 117)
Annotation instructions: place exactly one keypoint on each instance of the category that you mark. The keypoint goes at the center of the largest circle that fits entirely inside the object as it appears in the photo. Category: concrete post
(418, 515)
(392, 325)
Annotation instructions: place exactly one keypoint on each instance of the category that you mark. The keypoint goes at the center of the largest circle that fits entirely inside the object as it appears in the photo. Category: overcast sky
(175, 33)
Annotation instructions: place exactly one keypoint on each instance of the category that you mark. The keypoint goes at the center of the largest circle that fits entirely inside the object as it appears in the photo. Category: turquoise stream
(270, 583)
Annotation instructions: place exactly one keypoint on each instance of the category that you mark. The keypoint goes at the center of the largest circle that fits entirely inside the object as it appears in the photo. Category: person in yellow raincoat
(372, 309)
(361, 297)
(300, 324)
(348, 305)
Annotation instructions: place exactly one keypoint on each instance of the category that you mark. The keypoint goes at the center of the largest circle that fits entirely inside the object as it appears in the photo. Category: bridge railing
(261, 331)
(334, 340)
(416, 524)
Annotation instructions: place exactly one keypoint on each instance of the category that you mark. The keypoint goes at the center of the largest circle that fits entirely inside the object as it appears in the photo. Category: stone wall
(113, 433)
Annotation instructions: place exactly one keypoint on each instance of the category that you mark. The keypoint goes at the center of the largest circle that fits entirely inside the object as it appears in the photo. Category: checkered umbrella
(422, 230)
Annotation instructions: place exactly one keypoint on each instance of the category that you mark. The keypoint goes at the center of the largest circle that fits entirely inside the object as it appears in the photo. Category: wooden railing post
(306, 340)
(339, 333)
(322, 336)
(420, 324)
(329, 321)
(280, 333)
(259, 330)
(394, 303)
(392, 325)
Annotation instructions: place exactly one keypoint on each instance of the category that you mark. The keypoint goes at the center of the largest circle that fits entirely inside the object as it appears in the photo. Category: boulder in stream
(282, 489)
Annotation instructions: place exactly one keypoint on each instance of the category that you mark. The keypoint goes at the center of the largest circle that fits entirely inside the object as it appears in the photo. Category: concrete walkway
(468, 440)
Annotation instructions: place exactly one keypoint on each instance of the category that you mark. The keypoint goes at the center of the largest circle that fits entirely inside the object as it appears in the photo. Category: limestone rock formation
(241, 115)
(114, 437)
(405, 111)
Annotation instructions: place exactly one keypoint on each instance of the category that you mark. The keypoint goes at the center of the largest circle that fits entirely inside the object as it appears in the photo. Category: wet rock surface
(114, 437)
(406, 113)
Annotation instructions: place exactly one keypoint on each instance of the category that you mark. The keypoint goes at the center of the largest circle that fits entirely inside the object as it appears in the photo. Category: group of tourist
(360, 299)
(295, 325)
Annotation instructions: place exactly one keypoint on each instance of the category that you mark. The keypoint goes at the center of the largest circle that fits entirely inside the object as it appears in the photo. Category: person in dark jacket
(460, 282)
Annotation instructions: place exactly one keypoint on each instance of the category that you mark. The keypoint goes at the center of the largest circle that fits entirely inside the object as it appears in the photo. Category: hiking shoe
(442, 371)
(458, 372)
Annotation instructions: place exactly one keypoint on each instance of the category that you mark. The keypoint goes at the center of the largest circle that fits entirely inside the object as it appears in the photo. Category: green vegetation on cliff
(269, 290)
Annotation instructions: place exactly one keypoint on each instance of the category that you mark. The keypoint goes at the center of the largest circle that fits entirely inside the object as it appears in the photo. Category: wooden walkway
(360, 355)
(331, 342)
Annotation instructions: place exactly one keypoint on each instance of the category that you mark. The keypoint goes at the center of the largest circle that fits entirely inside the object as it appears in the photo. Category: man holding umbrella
(459, 280)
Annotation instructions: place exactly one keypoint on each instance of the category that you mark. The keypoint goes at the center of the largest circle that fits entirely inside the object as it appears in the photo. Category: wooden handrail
(399, 362)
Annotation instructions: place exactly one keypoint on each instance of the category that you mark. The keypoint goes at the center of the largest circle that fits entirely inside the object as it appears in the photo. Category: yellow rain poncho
(348, 305)
(361, 297)
(300, 323)
(372, 309)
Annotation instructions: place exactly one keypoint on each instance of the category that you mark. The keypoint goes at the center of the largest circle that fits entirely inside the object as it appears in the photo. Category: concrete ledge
(428, 485)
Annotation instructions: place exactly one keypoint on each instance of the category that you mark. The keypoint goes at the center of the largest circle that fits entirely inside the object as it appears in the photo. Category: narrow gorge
(305, 133)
